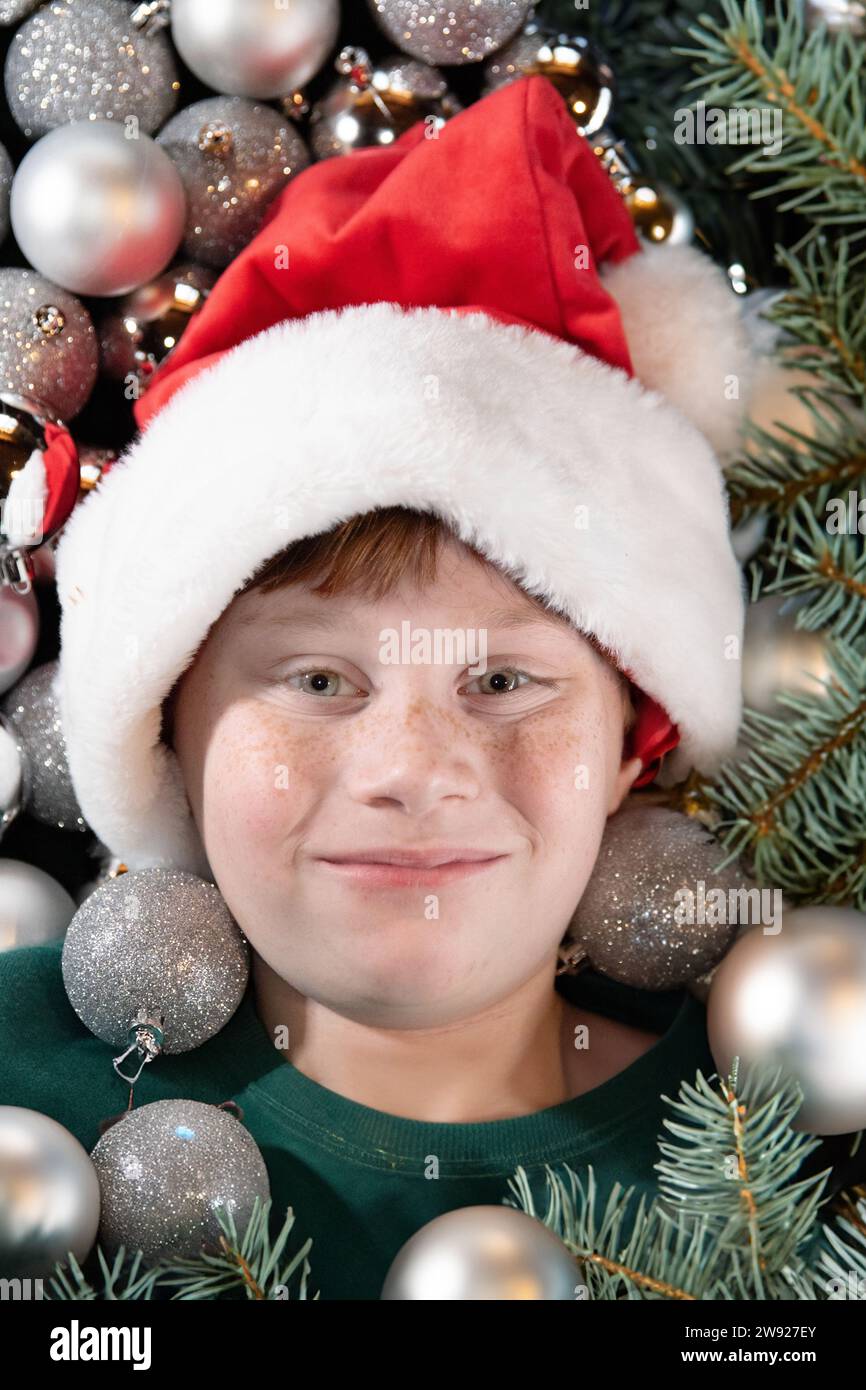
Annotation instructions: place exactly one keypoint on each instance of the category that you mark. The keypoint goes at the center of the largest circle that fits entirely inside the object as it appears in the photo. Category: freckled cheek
(262, 778)
(558, 777)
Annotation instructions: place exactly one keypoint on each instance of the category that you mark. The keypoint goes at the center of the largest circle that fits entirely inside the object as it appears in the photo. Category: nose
(415, 761)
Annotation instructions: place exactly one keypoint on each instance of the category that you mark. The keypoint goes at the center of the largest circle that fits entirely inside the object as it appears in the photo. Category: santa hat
(465, 325)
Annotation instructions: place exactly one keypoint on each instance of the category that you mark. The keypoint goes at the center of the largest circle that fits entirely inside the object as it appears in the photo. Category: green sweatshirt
(356, 1178)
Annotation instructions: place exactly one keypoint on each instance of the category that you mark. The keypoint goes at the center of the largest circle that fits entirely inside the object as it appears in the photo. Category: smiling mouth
(406, 869)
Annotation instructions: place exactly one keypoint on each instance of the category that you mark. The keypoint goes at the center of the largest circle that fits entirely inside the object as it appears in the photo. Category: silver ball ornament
(450, 31)
(490, 1253)
(34, 908)
(32, 709)
(156, 948)
(254, 48)
(164, 1169)
(11, 776)
(796, 999)
(49, 1195)
(779, 657)
(636, 920)
(84, 60)
(840, 16)
(95, 211)
(233, 157)
(19, 634)
(48, 347)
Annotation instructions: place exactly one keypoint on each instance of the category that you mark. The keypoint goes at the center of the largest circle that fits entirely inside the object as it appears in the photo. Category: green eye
(320, 683)
(503, 680)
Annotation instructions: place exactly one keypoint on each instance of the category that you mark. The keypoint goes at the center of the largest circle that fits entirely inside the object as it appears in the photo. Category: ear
(628, 771)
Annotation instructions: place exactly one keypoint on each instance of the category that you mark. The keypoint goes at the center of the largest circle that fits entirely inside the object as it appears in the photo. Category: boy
(410, 411)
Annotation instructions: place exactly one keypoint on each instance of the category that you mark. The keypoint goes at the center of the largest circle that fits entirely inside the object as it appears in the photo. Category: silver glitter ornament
(49, 1195)
(33, 713)
(77, 60)
(153, 962)
(96, 212)
(163, 1170)
(450, 31)
(797, 999)
(490, 1253)
(13, 11)
(7, 173)
(34, 907)
(19, 635)
(147, 325)
(377, 102)
(48, 346)
(574, 66)
(233, 157)
(633, 919)
(254, 48)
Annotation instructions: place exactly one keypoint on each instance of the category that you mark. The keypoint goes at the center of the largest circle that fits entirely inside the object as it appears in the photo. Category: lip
(396, 868)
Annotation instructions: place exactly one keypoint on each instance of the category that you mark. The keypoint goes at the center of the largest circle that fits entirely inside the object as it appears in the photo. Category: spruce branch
(814, 81)
(248, 1266)
(823, 311)
(793, 804)
(121, 1279)
(730, 1218)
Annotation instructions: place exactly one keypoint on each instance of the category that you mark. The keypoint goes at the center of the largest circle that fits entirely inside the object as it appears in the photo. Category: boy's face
(303, 750)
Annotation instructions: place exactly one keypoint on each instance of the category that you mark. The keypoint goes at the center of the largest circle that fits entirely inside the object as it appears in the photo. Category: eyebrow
(327, 620)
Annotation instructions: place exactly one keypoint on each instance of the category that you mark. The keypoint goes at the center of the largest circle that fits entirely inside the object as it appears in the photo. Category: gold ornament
(570, 61)
(144, 326)
(658, 212)
(377, 102)
(22, 515)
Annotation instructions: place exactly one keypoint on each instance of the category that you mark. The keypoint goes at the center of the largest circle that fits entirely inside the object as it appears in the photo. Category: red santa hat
(465, 325)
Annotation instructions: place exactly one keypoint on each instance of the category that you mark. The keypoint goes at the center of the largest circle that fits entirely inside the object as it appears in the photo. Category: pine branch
(246, 1267)
(793, 805)
(730, 1219)
(70, 1282)
(845, 1276)
(777, 471)
(823, 311)
(815, 82)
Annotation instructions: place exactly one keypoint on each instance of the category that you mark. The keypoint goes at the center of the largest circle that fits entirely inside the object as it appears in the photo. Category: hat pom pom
(686, 337)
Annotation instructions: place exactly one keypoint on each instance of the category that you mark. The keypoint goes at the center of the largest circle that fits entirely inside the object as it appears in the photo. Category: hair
(371, 554)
